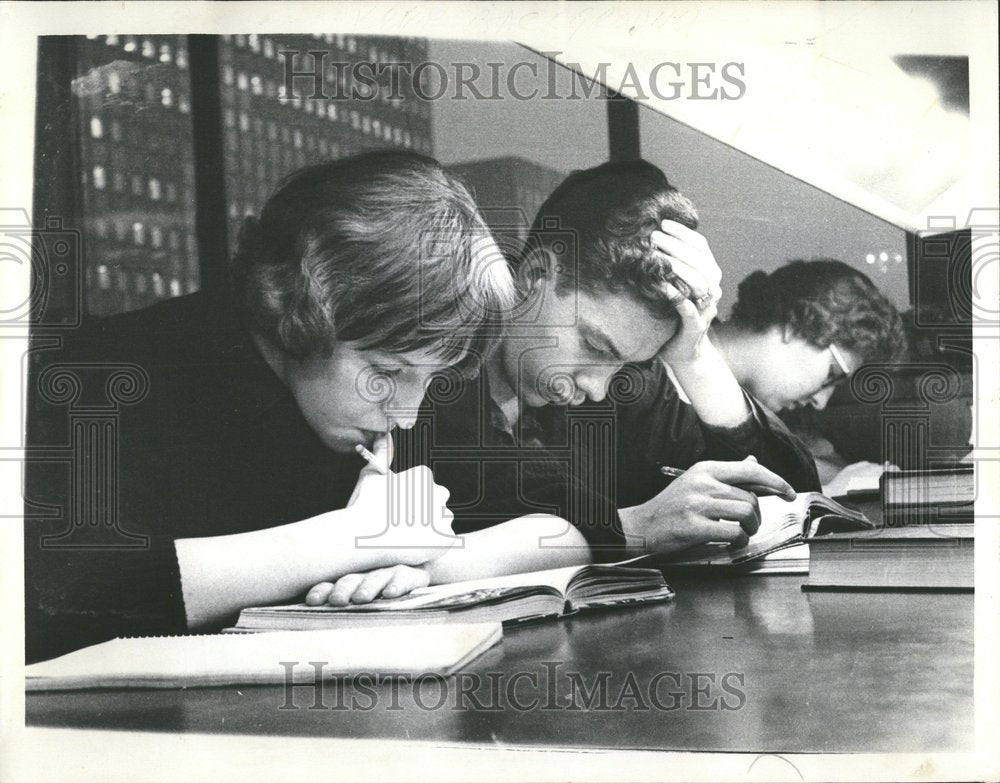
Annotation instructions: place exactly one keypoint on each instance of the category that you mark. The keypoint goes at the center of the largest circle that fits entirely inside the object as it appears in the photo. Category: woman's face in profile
(355, 395)
(792, 373)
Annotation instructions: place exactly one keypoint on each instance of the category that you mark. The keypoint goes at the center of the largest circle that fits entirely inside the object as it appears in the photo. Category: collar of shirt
(525, 431)
(676, 384)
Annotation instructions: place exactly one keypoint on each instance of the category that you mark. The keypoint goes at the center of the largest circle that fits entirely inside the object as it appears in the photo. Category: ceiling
(868, 101)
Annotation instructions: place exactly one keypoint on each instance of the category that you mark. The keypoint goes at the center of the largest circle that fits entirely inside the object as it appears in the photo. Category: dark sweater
(208, 442)
(582, 463)
(215, 446)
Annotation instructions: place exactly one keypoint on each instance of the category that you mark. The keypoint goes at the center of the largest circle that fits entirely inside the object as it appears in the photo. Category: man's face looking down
(568, 344)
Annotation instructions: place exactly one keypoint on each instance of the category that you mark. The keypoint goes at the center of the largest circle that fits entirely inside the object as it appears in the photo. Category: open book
(202, 660)
(783, 524)
(508, 599)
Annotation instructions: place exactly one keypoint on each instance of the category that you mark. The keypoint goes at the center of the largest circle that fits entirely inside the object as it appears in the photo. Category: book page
(780, 521)
(459, 593)
(857, 477)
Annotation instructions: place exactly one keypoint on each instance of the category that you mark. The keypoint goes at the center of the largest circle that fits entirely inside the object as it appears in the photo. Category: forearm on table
(222, 574)
(531, 543)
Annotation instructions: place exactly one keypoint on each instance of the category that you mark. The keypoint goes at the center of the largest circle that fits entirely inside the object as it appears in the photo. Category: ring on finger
(703, 301)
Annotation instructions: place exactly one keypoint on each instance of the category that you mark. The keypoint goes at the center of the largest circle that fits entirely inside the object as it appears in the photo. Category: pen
(757, 489)
(372, 460)
(666, 470)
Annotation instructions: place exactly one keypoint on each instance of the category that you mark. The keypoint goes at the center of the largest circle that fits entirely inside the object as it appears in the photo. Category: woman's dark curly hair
(823, 301)
(597, 225)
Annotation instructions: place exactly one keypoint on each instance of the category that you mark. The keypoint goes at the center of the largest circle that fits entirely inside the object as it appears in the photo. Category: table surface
(746, 663)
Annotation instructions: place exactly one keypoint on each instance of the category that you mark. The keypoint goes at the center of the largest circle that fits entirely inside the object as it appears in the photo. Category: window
(138, 200)
(511, 147)
(131, 208)
(738, 197)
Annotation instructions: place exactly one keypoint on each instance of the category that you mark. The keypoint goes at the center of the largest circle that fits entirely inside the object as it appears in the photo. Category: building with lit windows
(269, 132)
(133, 98)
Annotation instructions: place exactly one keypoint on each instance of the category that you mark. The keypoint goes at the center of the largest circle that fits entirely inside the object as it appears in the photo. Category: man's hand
(707, 503)
(697, 296)
(698, 367)
(365, 588)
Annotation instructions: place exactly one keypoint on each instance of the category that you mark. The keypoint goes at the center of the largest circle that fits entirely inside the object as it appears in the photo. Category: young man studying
(613, 275)
(231, 476)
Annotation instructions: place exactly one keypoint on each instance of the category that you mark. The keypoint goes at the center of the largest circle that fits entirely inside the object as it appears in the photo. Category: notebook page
(178, 661)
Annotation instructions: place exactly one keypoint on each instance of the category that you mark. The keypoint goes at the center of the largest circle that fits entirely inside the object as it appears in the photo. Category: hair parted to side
(385, 249)
(823, 301)
(602, 219)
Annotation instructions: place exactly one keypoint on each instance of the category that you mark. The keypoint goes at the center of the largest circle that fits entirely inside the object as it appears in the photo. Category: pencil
(374, 461)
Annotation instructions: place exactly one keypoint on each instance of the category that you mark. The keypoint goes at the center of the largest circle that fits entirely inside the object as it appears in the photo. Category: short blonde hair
(385, 249)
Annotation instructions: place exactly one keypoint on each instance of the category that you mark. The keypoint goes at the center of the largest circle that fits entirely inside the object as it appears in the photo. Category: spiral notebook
(198, 661)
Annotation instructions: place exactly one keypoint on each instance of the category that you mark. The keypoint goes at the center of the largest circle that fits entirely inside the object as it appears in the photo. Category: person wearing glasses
(580, 408)
(797, 333)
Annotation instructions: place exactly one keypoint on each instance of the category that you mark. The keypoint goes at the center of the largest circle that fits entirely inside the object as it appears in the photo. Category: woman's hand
(404, 513)
(366, 587)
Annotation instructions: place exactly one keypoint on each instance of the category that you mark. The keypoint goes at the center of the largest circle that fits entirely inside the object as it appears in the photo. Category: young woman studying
(234, 478)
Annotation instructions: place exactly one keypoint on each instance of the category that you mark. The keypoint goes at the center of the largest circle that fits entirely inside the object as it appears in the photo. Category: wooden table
(743, 664)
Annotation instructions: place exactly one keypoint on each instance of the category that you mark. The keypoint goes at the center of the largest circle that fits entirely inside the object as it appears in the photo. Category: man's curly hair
(823, 301)
(597, 225)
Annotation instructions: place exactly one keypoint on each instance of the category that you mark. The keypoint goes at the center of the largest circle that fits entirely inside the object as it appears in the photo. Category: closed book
(218, 659)
(929, 497)
(924, 557)
(508, 599)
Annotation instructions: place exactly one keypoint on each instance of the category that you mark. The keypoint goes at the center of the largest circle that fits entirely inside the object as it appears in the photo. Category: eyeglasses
(840, 372)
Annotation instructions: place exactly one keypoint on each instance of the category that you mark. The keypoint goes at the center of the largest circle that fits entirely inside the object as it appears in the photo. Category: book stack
(924, 497)
(927, 541)
(919, 557)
